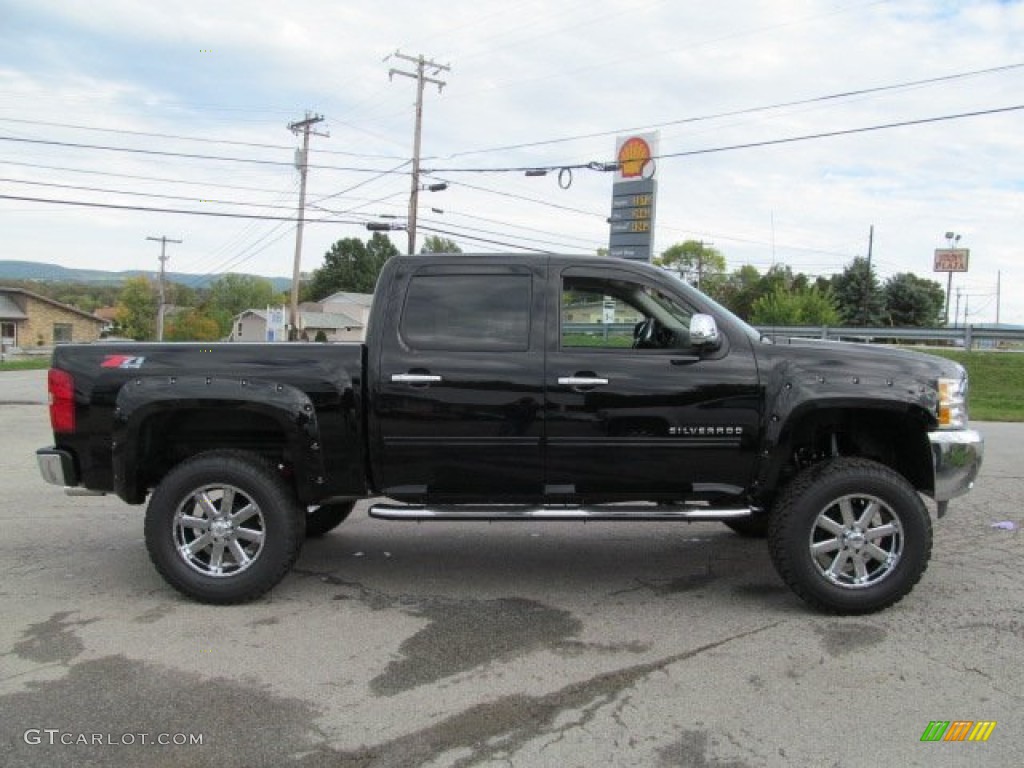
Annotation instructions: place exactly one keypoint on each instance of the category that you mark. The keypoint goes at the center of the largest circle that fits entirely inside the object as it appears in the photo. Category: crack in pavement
(496, 728)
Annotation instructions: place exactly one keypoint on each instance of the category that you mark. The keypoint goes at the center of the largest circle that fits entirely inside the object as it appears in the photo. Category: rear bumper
(956, 458)
(57, 467)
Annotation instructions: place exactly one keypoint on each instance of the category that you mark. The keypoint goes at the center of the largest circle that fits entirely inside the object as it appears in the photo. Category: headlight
(952, 410)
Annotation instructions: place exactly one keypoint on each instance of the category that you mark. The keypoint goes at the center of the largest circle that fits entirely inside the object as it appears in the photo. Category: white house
(252, 325)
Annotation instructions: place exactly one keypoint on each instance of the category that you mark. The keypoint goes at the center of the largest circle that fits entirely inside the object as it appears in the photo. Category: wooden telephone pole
(302, 163)
(420, 76)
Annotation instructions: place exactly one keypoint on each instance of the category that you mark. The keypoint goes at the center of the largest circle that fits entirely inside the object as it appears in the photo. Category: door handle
(581, 381)
(415, 378)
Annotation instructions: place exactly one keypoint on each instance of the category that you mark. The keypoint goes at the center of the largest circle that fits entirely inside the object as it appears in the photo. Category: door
(633, 410)
(459, 385)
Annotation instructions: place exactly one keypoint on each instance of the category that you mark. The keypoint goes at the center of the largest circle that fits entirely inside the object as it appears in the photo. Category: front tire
(850, 536)
(223, 527)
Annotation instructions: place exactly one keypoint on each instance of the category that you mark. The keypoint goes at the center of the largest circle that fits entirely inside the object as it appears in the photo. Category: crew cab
(522, 387)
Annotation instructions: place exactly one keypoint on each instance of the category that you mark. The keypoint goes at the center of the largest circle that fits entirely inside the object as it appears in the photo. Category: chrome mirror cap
(703, 331)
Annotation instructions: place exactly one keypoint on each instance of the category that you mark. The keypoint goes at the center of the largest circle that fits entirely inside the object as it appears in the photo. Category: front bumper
(956, 458)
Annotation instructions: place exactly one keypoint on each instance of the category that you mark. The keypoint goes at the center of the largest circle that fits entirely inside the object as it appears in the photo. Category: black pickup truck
(522, 387)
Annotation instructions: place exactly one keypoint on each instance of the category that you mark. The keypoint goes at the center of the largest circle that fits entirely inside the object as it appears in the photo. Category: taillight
(61, 386)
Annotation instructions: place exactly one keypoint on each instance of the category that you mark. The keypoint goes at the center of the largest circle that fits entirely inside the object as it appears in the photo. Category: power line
(136, 177)
(202, 139)
(531, 239)
(189, 155)
(608, 166)
(738, 112)
(845, 132)
(514, 196)
(147, 209)
(141, 194)
(485, 240)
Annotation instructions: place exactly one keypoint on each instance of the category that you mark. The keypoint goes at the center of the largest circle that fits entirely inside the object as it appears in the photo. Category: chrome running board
(497, 512)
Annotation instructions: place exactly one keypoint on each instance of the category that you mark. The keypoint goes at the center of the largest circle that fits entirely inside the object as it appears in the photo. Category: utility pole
(700, 262)
(867, 281)
(302, 164)
(420, 77)
(956, 313)
(163, 260)
(999, 281)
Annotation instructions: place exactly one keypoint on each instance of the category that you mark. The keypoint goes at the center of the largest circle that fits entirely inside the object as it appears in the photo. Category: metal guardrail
(967, 337)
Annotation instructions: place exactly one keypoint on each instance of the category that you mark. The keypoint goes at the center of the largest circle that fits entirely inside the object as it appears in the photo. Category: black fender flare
(143, 397)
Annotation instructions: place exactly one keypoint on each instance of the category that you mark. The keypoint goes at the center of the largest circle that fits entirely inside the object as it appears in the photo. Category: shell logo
(634, 155)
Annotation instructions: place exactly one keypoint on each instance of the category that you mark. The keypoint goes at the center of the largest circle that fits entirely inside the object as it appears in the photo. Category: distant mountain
(31, 270)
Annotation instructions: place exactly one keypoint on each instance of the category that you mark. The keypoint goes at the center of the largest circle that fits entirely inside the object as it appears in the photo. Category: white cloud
(523, 73)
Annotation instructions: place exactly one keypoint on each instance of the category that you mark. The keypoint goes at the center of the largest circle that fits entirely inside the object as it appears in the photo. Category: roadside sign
(951, 259)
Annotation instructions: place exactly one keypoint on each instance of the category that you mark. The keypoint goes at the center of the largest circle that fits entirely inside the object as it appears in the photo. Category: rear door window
(484, 312)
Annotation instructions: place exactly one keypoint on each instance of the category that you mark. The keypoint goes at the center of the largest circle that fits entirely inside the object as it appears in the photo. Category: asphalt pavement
(475, 644)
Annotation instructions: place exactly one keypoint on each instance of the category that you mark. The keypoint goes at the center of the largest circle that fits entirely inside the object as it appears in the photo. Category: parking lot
(475, 644)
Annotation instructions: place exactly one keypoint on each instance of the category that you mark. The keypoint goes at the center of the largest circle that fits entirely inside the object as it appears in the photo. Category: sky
(185, 107)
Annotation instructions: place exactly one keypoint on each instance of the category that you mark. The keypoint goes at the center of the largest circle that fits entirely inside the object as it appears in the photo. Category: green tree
(438, 244)
(912, 301)
(741, 290)
(136, 309)
(778, 276)
(182, 295)
(350, 265)
(697, 263)
(860, 299)
(192, 325)
(784, 306)
(236, 293)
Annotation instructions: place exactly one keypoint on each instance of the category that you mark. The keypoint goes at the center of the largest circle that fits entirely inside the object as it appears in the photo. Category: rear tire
(325, 518)
(223, 527)
(850, 536)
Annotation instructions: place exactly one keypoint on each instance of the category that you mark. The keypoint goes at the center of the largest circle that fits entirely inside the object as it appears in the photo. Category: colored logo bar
(958, 730)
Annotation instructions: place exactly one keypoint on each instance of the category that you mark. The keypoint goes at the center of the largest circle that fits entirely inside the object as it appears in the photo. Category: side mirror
(704, 331)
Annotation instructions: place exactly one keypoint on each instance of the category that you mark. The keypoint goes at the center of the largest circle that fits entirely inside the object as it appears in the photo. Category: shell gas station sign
(633, 196)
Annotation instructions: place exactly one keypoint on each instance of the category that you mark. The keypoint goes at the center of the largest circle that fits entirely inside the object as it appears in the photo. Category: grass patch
(997, 382)
(28, 364)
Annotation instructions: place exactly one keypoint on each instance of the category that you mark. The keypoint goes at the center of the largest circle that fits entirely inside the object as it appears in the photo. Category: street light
(952, 238)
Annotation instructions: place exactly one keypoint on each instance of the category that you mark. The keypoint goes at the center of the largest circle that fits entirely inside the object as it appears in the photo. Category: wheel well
(167, 439)
(899, 440)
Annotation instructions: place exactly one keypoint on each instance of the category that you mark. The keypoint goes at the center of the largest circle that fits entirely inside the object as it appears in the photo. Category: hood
(862, 359)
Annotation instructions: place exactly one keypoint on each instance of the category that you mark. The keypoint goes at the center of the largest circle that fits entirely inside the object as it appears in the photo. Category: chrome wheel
(219, 530)
(850, 536)
(856, 541)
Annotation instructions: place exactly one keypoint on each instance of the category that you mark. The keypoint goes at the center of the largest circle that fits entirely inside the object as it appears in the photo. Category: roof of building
(7, 292)
(328, 320)
(9, 310)
(362, 299)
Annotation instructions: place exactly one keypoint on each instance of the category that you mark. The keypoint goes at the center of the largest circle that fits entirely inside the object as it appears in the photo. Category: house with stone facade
(28, 321)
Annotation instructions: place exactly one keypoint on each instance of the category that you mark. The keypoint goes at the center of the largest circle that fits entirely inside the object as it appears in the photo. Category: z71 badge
(122, 361)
